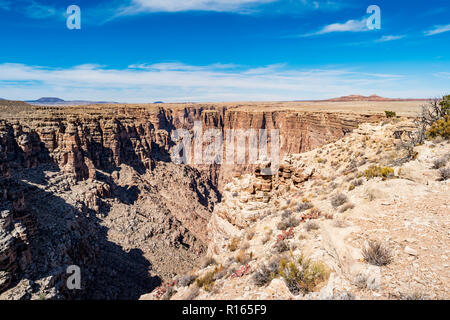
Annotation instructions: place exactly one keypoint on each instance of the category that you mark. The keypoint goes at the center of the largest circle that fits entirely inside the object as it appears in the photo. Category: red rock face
(81, 141)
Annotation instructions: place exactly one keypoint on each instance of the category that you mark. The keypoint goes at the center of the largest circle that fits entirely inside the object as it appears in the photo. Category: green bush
(376, 171)
(440, 128)
(390, 114)
(303, 275)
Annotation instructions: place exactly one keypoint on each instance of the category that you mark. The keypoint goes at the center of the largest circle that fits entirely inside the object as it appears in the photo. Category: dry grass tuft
(377, 254)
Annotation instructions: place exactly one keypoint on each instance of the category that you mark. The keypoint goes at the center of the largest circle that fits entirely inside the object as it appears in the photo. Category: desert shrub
(346, 207)
(444, 173)
(207, 281)
(358, 182)
(427, 121)
(234, 244)
(377, 254)
(302, 275)
(360, 280)
(338, 200)
(193, 293)
(168, 294)
(286, 214)
(245, 245)
(440, 128)
(250, 234)
(262, 276)
(333, 186)
(243, 257)
(304, 206)
(377, 171)
(390, 114)
(281, 246)
(340, 223)
(220, 272)
(416, 295)
(274, 265)
(311, 225)
(441, 162)
(266, 237)
(207, 261)
(186, 281)
(288, 223)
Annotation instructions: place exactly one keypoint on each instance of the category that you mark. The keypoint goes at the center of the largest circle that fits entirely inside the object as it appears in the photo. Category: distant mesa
(48, 100)
(373, 97)
(52, 101)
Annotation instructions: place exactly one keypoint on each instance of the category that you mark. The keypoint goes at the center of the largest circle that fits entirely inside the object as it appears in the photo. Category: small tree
(390, 114)
(436, 109)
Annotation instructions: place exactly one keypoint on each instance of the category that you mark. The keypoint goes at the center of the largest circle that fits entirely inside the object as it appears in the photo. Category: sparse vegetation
(390, 114)
(285, 224)
(311, 225)
(207, 281)
(207, 261)
(302, 276)
(281, 246)
(346, 207)
(243, 257)
(444, 173)
(234, 244)
(377, 171)
(338, 200)
(186, 281)
(377, 254)
(263, 276)
(441, 128)
(193, 293)
(441, 162)
(340, 223)
(304, 206)
(286, 214)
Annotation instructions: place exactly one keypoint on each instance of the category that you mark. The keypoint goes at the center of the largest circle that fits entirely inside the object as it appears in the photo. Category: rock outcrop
(326, 208)
(100, 180)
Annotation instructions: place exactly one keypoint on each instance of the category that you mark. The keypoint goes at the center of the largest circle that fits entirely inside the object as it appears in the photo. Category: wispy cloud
(32, 9)
(349, 26)
(438, 30)
(176, 82)
(445, 75)
(390, 38)
(139, 6)
(37, 10)
(5, 5)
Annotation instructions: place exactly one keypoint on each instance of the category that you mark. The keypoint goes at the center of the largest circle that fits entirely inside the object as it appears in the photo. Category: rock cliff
(94, 184)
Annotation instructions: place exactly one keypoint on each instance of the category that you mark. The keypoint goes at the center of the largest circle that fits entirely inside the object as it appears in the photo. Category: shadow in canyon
(62, 235)
(59, 234)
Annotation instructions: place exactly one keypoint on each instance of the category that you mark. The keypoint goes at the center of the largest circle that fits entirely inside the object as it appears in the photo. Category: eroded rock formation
(94, 186)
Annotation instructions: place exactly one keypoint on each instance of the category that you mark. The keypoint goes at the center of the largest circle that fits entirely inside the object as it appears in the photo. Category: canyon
(94, 186)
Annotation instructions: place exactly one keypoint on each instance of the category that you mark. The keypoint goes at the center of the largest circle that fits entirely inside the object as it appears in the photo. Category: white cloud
(438, 30)
(176, 82)
(390, 38)
(138, 6)
(349, 26)
(37, 10)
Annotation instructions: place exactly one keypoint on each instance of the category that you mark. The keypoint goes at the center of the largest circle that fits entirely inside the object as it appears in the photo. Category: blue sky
(223, 50)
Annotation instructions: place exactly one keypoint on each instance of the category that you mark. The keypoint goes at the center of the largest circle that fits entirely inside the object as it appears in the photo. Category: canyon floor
(94, 186)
